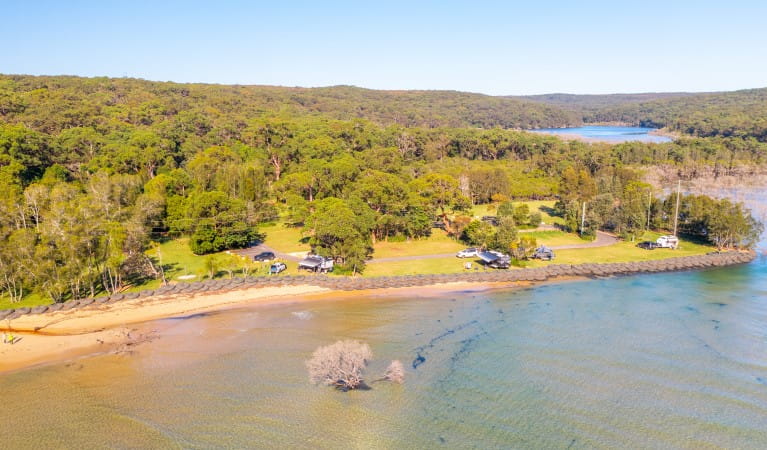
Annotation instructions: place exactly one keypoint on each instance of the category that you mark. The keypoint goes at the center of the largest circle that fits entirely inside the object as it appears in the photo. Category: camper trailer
(496, 260)
(316, 263)
(668, 241)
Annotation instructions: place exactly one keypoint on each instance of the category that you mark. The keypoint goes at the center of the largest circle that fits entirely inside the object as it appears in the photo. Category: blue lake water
(608, 133)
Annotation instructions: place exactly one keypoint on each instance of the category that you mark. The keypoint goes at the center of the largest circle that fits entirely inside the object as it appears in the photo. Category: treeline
(51, 104)
(615, 199)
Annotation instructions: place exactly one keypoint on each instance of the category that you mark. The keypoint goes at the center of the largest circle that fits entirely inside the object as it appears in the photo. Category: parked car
(316, 263)
(668, 241)
(648, 245)
(276, 268)
(468, 253)
(264, 256)
(492, 220)
(544, 253)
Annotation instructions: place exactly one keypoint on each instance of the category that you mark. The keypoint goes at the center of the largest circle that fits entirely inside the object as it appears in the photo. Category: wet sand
(66, 335)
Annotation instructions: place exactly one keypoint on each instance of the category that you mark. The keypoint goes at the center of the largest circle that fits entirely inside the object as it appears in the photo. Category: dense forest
(93, 172)
(586, 105)
(55, 103)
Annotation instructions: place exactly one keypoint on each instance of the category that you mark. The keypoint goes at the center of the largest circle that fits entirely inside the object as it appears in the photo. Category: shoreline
(662, 132)
(104, 325)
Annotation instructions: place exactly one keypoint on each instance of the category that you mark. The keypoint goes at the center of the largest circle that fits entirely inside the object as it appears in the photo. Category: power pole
(676, 211)
(583, 217)
(649, 208)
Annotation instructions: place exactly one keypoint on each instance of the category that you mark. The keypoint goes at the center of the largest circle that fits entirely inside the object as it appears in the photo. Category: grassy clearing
(180, 261)
(30, 301)
(420, 266)
(283, 238)
(555, 238)
(620, 252)
(177, 255)
(545, 207)
(439, 242)
(625, 251)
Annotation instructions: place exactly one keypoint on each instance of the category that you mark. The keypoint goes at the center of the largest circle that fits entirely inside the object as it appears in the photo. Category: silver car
(468, 253)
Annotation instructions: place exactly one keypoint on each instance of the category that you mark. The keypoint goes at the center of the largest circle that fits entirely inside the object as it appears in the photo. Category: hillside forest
(95, 172)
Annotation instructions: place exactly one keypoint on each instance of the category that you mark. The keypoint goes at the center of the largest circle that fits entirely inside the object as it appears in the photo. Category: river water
(610, 134)
(664, 360)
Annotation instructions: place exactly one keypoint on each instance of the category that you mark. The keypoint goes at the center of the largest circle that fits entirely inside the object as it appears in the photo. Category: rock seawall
(349, 284)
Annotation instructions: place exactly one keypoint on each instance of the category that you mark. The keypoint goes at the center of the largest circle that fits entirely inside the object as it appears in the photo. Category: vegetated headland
(117, 186)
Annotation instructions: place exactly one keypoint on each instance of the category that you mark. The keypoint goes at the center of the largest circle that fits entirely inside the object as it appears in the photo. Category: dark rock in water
(418, 361)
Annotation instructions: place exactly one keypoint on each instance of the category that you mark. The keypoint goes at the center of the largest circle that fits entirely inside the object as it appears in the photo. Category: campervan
(668, 241)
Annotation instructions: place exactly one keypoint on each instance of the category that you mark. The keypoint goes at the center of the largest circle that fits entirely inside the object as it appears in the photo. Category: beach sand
(66, 335)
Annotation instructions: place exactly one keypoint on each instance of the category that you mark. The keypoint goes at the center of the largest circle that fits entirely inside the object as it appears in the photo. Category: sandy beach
(67, 335)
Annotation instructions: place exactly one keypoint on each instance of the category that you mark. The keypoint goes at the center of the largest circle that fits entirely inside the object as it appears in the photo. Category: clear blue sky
(526, 47)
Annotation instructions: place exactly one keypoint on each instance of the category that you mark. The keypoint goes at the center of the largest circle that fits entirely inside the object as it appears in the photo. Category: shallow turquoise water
(610, 134)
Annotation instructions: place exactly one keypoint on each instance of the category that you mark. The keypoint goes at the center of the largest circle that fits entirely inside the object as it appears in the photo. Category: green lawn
(625, 251)
(421, 266)
(177, 255)
(178, 258)
(283, 238)
(620, 252)
(182, 262)
(545, 207)
(436, 244)
(555, 238)
(30, 300)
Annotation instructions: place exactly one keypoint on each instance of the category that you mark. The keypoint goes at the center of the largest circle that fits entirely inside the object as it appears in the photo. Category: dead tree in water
(341, 364)
(395, 372)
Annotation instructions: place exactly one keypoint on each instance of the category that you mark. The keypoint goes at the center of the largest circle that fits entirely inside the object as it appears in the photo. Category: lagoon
(610, 134)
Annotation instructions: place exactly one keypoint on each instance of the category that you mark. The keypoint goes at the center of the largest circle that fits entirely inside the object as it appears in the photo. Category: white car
(468, 253)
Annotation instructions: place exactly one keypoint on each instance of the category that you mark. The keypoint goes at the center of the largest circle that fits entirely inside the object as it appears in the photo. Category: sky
(497, 48)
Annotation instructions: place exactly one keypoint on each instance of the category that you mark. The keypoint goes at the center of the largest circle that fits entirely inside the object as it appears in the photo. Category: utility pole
(583, 217)
(649, 208)
(676, 211)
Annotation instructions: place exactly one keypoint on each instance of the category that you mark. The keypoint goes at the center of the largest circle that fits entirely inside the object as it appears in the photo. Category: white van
(668, 241)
